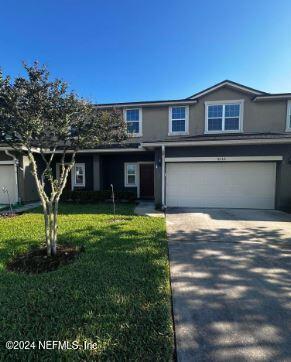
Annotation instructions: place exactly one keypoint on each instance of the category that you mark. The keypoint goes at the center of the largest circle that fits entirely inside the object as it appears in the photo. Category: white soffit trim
(224, 159)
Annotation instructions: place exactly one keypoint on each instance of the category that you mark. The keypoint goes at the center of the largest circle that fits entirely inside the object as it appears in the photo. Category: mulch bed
(36, 261)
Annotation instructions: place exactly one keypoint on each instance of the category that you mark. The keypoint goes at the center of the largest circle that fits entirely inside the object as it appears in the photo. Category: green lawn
(117, 293)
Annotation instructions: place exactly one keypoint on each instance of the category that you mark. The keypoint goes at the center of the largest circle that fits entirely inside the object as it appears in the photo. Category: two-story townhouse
(227, 146)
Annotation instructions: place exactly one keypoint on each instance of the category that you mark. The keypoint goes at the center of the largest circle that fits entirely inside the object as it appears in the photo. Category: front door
(146, 176)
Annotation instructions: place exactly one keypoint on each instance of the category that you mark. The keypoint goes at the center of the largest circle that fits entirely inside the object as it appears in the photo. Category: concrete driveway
(231, 283)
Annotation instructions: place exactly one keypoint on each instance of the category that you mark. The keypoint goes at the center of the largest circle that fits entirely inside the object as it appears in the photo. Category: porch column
(96, 173)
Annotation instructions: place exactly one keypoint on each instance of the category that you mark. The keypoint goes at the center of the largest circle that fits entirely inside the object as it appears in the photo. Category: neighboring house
(226, 146)
(16, 177)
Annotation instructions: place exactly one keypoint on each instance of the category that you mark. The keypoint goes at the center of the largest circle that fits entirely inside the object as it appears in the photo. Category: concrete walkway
(231, 284)
(147, 208)
(23, 208)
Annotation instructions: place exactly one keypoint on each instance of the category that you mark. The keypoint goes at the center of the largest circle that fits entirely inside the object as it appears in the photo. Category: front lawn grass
(116, 294)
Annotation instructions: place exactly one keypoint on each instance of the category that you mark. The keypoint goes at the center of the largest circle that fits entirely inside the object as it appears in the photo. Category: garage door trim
(224, 159)
(7, 163)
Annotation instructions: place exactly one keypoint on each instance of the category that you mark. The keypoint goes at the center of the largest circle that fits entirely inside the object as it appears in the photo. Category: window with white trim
(223, 117)
(130, 174)
(79, 175)
(178, 120)
(133, 119)
(288, 120)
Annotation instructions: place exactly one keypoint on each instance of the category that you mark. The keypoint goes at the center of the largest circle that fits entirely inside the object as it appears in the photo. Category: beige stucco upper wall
(258, 116)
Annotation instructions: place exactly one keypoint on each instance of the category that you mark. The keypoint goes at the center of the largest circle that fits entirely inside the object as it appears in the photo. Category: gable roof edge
(231, 84)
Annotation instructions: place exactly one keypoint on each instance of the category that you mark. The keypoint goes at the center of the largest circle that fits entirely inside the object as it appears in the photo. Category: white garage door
(7, 179)
(221, 184)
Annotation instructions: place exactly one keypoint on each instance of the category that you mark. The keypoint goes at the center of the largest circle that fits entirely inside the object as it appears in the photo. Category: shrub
(96, 196)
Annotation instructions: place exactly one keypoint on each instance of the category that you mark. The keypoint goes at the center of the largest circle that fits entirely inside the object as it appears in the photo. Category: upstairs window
(133, 119)
(178, 120)
(223, 117)
(288, 121)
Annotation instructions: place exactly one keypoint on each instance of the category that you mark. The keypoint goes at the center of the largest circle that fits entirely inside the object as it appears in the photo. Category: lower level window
(79, 175)
(130, 174)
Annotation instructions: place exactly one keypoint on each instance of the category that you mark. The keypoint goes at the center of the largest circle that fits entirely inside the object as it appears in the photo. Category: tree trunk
(55, 227)
(51, 226)
(50, 203)
(47, 233)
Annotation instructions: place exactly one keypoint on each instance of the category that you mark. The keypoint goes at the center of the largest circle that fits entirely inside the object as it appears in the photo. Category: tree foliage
(43, 118)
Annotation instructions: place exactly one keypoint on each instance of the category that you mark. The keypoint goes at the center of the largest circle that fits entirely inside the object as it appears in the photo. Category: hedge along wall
(97, 196)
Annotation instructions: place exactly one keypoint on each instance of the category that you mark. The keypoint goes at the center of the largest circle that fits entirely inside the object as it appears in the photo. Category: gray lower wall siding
(112, 168)
(283, 188)
(29, 192)
(96, 172)
(21, 180)
(283, 196)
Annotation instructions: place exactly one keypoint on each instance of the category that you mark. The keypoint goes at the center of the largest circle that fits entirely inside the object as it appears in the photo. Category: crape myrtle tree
(47, 121)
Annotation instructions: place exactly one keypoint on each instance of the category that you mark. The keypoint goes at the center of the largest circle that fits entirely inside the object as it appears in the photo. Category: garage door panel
(7, 180)
(233, 185)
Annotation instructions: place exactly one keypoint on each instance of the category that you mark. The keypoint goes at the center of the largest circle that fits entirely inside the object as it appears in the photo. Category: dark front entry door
(146, 174)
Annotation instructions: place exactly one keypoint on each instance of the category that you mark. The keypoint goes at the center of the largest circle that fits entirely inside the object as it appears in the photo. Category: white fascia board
(98, 150)
(224, 159)
(272, 98)
(218, 143)
(167, 103)
(9, 148)
(20, 148)
(5, 148)
(103, 150)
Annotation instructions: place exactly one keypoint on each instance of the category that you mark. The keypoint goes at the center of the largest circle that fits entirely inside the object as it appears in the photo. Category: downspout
(163, 177)
(15, 172)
